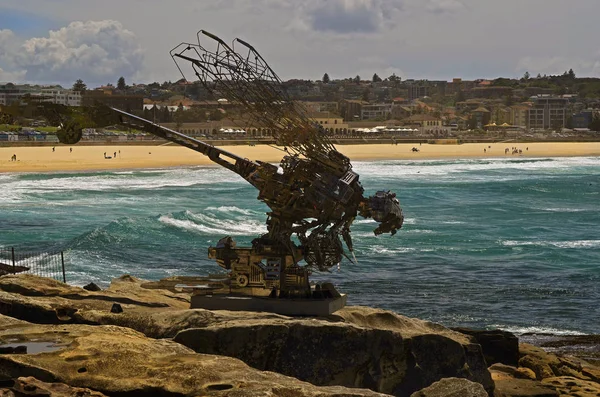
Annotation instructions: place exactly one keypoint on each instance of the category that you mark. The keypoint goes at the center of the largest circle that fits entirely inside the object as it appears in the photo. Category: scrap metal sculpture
(313, 195)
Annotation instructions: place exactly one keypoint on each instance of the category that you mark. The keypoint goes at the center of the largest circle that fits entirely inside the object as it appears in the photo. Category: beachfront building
(482, 117)
(547, 112)
(380, 111)
(11, 93)
(60, 96)
(518, 115)
(332, 123)
(350, 109)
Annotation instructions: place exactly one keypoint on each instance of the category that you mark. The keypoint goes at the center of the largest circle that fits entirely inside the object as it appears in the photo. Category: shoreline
(92, 158)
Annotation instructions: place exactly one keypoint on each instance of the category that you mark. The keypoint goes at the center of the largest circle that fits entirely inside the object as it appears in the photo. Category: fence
(45, 264)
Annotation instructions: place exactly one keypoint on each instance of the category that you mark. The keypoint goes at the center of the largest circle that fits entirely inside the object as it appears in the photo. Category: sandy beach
(87, 158)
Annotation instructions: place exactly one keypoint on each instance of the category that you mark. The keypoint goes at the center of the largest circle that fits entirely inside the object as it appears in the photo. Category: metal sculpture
(313, 195)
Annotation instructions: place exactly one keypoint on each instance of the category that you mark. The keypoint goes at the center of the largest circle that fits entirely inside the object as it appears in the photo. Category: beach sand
(88, 158)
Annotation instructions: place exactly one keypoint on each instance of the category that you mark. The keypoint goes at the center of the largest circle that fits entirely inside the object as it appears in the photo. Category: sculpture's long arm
(237, 164)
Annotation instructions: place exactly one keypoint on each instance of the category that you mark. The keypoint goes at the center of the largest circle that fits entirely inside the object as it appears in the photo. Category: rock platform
(158, 346)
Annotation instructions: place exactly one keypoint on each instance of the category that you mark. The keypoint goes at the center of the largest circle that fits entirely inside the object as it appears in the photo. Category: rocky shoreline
(129, 340)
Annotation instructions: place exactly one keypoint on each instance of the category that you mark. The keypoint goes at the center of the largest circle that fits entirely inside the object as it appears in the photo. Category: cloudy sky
(59, 41)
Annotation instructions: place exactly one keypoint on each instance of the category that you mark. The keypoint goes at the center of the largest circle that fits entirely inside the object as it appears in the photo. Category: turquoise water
(509, 243)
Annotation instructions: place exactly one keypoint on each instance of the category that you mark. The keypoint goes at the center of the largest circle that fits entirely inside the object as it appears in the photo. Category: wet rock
(452, 387)
(92, 287)
(370, 348)
(498, 346)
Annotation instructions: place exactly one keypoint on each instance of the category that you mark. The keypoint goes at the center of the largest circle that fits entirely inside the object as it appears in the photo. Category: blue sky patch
(27, 24)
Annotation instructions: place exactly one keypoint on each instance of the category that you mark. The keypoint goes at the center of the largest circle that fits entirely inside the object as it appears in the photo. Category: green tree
(166, 115)
(79, 86)
(121, 83)
(376, 78)
(526, 76)
(357, 79)
(571, 74)
(325, 78)
(394, 78)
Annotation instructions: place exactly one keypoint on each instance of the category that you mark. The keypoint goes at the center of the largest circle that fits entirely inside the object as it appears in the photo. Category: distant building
(417, 91)
(330, 122)
(10, 93)
(547, 112)
(376, 111)
(350, 109)
(320, 106)
(61, 97)
(482, 116)
(582, 119)
(123, 102)
(518, 115)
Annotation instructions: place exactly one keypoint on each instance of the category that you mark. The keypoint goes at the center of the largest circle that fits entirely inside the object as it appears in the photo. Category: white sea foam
(380, 249)
(139, 180)
(517, 330)
(466, 169)
(558, 244)
(563, 209)
(230, 208)
(209, 225)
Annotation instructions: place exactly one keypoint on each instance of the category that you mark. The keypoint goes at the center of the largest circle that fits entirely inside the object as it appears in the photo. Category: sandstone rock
(452, 387)
(520, 373)
(47, 301)
(356, 347)
(523, 388)
(547, 365)
(372, 348)
(33, 387)
(573, 386)
(498, 346)
(120, 361)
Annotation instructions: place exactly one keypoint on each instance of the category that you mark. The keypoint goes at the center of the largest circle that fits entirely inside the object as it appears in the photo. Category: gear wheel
(242, 280)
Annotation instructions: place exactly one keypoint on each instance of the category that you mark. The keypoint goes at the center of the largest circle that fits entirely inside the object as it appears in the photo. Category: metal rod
(13, 260)
(62, 259)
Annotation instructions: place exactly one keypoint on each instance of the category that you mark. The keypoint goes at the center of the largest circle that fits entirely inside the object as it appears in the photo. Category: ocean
(510, 243)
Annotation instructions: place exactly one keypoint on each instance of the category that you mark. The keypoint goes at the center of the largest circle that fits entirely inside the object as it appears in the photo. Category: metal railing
(44, 264)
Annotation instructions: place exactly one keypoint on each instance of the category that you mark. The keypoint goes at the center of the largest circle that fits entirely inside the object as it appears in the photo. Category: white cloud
(445, 6)
(8, 77)
(345, 16)
(95, 51)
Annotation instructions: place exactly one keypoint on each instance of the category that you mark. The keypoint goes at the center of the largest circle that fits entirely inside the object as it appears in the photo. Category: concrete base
(288, 307)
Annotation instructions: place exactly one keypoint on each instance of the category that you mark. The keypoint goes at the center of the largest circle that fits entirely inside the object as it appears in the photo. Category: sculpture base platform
(287, 307)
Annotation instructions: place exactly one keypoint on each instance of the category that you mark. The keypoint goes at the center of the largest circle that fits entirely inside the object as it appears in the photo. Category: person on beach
(70, 150)
(115, 155)
(53, 149)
